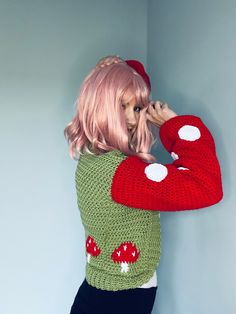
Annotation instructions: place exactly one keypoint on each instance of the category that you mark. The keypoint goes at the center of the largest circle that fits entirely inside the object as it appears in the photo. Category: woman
(121, 189)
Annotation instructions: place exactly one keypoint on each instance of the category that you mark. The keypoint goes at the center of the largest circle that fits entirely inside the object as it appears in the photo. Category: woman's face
(131, 112)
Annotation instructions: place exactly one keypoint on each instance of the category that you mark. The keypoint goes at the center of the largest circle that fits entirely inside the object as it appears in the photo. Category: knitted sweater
(120, 198)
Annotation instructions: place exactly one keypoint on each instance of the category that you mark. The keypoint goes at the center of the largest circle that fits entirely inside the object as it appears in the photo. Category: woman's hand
(108, 61)
(158, 113)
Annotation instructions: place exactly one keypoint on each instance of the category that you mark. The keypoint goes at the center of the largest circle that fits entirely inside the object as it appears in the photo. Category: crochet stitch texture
(120, 198)
(111, 224)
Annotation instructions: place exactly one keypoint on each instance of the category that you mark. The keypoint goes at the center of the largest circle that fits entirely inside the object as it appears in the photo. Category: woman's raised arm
(192, 181)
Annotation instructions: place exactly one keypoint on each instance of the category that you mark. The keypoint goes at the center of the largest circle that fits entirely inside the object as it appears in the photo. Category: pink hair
(99, 124)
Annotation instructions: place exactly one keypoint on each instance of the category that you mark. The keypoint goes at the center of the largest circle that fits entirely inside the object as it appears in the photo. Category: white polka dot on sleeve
(174, 156)
(182, 168)
(156, 172)
(189, 133)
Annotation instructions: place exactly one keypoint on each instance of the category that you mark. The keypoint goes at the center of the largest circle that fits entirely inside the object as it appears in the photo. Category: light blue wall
(192, 62)
(46, 49)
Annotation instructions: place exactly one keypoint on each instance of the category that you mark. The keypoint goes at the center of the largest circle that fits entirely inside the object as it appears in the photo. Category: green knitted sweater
(114, 230)
(120, 198)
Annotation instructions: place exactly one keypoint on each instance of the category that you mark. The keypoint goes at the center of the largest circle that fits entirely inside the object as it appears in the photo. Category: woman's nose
(131, 119)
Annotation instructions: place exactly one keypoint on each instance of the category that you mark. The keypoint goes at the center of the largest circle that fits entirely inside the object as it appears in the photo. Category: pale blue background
(192, 61)
(46, 49)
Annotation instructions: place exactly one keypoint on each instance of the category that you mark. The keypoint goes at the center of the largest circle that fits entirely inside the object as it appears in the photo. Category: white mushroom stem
(88, 257)
(124, 267)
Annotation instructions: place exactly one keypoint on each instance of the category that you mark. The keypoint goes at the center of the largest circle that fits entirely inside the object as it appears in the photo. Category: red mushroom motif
(91, 248)
(126, 253)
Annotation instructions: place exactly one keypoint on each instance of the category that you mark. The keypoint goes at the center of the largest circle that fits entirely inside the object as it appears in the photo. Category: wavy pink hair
(99, 124)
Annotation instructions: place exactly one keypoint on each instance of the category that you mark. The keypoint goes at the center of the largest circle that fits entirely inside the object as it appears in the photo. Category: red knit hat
(139, 68)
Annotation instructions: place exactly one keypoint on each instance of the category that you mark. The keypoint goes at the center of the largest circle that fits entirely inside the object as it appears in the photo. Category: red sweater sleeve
(192, 181)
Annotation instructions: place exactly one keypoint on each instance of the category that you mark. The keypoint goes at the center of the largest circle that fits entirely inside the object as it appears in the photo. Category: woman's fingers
(155, 118)
(158, 112)
(161, 105)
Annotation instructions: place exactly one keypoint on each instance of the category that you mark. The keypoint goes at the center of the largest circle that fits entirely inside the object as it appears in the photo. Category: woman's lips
(130, 128)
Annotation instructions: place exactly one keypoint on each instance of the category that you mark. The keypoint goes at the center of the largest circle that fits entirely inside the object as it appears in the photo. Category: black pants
(90, 300)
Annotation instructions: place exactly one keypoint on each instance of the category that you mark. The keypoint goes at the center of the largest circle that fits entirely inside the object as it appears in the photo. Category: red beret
(139, 68)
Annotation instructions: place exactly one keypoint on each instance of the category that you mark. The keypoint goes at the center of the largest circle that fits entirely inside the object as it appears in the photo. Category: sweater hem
(108, 282)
